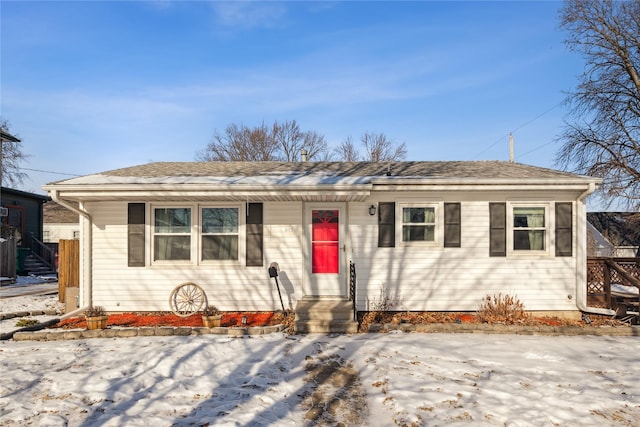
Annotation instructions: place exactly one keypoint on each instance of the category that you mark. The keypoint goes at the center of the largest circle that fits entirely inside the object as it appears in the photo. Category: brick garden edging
(12, 315)
(463, 328)
(484, 328)
(160, 331)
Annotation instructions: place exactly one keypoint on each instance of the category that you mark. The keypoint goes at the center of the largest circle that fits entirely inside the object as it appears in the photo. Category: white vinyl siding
(431, 278)
(227, 286)
(53, 232)
(456, 279)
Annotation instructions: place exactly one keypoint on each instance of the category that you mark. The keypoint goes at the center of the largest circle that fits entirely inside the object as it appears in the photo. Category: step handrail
(352, 288)
(43, 252)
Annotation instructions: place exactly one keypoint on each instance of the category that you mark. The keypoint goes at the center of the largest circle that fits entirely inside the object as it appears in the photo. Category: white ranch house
(434, 236)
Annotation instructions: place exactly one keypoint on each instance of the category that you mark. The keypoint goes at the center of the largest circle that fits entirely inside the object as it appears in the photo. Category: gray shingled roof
(53, 213)
(311, 181)
(436, 169)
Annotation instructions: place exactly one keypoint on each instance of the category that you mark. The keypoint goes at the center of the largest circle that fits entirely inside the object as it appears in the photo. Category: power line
(536, 148)
(518, 128)
(51, 172)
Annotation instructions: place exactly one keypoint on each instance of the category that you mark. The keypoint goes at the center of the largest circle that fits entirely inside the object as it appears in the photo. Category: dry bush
(380, 309)
(287, 318)
(500, 308)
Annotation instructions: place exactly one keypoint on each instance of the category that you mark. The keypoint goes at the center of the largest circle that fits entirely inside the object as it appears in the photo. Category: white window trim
(511, 252)
(242, 220)
(438, 236)
(196, 235)
(153, 234)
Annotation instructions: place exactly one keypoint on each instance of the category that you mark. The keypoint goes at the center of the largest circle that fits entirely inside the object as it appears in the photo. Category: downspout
(581, 276)
(88, 272)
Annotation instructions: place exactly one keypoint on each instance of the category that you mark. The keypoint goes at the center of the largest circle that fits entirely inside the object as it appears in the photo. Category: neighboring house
(436, 236)
(23, 212)
(60, 223)
(614, 234)
(597, 244)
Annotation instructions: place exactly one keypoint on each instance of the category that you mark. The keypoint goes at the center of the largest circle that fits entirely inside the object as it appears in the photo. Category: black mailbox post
(273, 273)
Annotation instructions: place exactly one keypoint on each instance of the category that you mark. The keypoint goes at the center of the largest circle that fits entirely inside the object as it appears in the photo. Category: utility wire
(536, 148)
(518, 128)
(51, 172)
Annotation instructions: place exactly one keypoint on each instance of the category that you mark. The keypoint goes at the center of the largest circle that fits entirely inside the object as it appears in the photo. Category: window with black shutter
(136, 238)
(497, 229)
(254, 235)
(386, 224)
(564, 229)
(452, 225)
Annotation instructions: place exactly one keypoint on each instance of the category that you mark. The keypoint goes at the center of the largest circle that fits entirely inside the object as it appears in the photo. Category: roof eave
(211, 192)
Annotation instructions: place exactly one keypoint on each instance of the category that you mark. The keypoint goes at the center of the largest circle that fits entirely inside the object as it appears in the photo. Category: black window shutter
(564, 229)
(254, 235)
(497, 229)
(136, 227)
(452, 225)
(386, 224)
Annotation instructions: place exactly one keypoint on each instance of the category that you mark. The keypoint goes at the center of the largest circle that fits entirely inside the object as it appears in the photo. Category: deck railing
(43, 252)
(605, 276)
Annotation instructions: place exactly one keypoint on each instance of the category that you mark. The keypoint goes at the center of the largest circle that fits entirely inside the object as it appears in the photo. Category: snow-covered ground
(24, 284)
(408, 379)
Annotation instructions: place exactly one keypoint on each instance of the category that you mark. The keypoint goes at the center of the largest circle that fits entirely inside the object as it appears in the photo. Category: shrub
(95, 311)
(380, 309)
(210, 310)
(500, 308)
(26, 322)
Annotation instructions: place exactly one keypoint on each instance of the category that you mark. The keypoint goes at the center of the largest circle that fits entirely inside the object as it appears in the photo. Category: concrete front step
(326, 327)
(324, 315)
(324, 310)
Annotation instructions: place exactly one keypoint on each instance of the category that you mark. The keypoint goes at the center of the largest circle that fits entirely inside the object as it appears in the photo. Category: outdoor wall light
(372, 210)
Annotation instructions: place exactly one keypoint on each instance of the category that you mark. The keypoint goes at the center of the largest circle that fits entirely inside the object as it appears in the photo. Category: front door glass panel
(325, 237)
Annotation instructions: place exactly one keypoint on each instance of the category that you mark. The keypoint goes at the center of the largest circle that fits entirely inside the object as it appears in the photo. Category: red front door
(325, 240)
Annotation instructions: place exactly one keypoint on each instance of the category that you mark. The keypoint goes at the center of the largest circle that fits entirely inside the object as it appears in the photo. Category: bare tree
(240, 143)
(291, 141)
(282, 141)
(316, 146)
(347, 151)
(376, 146)
(11, 156)
(379, 148)
(604, 137)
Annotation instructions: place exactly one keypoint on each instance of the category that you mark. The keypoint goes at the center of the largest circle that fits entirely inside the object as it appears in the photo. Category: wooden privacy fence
(68, 266)
(8, 258)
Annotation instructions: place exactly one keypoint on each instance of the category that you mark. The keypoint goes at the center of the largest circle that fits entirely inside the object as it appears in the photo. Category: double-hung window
(172, 234)
(219, 233)
(196, 234)
(529, 228)
(418, 224)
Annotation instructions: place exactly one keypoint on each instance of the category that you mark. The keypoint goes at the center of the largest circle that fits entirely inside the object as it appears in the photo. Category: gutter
(581, 279)
(88, 273)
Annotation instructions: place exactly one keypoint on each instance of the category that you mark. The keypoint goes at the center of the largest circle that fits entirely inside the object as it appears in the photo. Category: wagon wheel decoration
(187, 299)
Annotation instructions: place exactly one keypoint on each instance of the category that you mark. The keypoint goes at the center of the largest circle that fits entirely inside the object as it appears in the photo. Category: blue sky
(92, 86)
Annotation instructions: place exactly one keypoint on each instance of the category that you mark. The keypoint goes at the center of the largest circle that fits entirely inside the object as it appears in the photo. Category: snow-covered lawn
(420, 379)
(408, 379)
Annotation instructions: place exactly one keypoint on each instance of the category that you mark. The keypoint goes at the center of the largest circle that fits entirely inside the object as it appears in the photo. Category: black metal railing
(352, 288)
